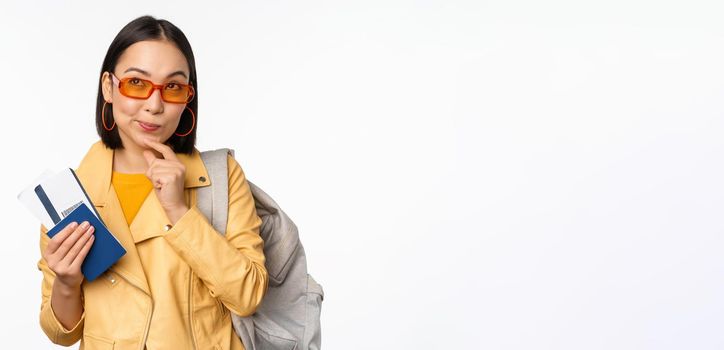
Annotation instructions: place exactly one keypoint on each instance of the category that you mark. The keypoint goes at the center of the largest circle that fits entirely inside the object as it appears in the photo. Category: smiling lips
(148, 127)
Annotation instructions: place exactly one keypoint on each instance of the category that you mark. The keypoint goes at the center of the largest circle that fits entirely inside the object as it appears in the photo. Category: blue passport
(106, 249)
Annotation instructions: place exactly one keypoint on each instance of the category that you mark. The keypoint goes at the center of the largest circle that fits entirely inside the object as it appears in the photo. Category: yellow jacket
(205, 272)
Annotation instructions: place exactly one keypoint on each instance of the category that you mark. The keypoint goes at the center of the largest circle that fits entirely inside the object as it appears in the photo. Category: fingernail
(84, 225)
(91, 229)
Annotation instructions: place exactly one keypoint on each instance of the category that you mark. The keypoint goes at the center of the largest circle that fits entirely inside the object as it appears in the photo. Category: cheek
(126, 108)
(176, 110)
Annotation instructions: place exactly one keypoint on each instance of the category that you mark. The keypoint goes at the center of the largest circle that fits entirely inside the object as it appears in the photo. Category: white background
(465, 175)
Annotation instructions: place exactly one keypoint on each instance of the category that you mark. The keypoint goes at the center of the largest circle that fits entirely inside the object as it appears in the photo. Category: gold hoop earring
(103, 118)
(193, 123)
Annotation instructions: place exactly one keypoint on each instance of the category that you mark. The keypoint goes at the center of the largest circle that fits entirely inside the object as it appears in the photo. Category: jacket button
(202, 179)
(167, 227)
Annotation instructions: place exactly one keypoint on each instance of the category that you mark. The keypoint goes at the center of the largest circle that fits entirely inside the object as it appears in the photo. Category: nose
(154, 103)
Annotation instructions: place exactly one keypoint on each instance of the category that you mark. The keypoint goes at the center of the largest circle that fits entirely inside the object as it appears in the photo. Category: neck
(130, 159)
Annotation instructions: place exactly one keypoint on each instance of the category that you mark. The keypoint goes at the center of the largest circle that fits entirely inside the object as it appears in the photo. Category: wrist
(174, 214)
(64, 289)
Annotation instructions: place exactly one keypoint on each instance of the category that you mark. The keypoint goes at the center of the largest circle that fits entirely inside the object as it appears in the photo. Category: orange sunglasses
(142, 89)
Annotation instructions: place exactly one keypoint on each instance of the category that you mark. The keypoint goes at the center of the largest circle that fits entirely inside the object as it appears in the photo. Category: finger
(156, 164)
(171, 177)
(150, 157)
(165, 150)
(162, 165)
(73, 252)
(167, 173)
(78, 261)
(160, 181)
(70, 241)
(59, 237)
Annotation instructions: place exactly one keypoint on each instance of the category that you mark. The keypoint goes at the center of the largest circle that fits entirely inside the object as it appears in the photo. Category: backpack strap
(213, 201)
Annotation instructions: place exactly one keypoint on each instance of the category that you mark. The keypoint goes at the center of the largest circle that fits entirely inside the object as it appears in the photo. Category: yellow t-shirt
(132, 190)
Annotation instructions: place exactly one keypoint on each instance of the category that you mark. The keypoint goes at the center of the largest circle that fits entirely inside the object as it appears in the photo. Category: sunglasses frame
(154, 87)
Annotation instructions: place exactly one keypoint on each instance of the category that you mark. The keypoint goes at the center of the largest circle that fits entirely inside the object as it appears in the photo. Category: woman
(179, 278)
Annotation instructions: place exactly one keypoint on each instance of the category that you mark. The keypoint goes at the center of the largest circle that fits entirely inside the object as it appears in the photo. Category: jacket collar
(96, 169)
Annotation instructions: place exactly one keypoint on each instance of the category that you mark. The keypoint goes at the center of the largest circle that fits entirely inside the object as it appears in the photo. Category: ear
(106, 84)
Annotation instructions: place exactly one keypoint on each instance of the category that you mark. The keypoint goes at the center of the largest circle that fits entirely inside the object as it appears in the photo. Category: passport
(106, 249)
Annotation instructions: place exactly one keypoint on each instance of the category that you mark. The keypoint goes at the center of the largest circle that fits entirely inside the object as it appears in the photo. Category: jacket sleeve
(48, 322)
(231, 266)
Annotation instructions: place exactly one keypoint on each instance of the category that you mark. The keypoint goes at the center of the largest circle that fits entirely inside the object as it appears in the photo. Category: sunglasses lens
(136, 88)
(176, 93)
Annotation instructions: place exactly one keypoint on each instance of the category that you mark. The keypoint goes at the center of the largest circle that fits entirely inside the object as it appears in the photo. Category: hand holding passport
(59, 200)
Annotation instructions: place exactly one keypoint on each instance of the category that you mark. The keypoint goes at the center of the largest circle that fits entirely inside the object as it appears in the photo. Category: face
(160, 62)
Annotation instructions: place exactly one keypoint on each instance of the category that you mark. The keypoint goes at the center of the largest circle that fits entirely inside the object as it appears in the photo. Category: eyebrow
(178, 72)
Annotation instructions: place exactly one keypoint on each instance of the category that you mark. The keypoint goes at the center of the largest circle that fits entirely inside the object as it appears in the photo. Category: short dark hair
(140, 29)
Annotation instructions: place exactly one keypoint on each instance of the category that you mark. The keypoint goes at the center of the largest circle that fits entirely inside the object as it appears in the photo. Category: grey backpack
(289, 315)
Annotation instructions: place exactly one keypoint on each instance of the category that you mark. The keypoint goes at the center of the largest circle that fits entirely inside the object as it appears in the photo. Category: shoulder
(231, 161)
(96, 153)
(235, 170)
